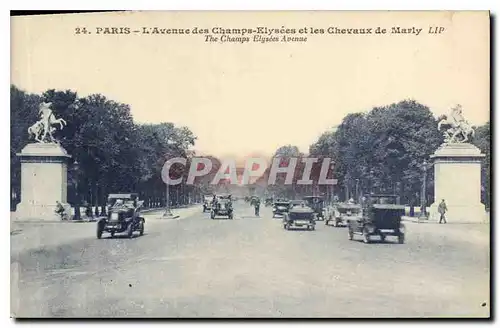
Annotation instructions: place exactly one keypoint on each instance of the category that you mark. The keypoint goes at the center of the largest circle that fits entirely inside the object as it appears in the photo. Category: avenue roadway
(196, 267)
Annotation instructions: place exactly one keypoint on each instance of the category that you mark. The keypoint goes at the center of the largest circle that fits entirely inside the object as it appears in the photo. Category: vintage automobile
(300, 216)
(123, 216)
(341, 212)
(280, 208)
(207, 203)
(381, 216)
(268, 201)
(223, 206)
(297, 202)
(317, 204)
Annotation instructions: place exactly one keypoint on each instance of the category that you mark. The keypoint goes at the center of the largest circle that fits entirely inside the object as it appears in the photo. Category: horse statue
(43, 130)
(458, 130)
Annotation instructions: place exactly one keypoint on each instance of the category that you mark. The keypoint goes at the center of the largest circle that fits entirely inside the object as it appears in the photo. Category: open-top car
(317, 204)
(297, 203)
(381, 217)
(207, 203)
(300, 216)
(123, 216)
(341, 212)
(223, 206)
(280, 208)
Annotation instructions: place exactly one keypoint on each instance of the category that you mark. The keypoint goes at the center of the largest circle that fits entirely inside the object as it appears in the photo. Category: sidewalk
(176, 211)
(36, 235)
(436, 221)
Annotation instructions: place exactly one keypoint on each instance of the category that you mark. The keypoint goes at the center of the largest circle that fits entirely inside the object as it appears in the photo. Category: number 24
(81, 30)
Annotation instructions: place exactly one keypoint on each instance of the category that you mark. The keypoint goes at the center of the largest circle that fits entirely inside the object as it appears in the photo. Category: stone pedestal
(457, 180)
(43, 181)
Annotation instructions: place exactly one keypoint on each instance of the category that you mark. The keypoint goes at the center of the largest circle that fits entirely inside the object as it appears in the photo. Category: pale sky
(241, 99)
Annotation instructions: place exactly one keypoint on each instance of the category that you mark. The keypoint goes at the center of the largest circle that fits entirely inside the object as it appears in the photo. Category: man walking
(442, 210)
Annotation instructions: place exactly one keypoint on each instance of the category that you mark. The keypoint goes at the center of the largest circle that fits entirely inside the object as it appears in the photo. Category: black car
(302, 216)
(317, 203)
(381, 217)
(123, 216)
(280, 208)
(223, 206)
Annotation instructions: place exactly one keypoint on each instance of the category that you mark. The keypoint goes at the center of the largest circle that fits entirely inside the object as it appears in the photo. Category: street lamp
(76, 168)
(347, 183)
(372, 173)
(423, 205)
(332, 187)
(357, 190)
(168, 212)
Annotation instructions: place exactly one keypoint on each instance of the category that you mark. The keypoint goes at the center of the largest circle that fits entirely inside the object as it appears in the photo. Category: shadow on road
(123, 236)
(378, 241)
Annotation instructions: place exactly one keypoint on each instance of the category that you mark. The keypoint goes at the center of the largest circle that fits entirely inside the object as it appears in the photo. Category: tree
(23, 113)
(114, 153)
(383, 149)
(482, 140)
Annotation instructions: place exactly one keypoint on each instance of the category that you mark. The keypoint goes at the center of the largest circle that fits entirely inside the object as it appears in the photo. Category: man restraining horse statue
(43, 130)
(457, 127)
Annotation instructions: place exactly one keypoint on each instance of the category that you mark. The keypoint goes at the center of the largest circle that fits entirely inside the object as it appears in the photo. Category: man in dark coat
(442, 210)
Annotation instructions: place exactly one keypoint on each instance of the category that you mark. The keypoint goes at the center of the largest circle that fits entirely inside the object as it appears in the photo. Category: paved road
(252, 267)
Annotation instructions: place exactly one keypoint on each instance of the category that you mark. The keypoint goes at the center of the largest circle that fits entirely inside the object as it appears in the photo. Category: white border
(183, 5)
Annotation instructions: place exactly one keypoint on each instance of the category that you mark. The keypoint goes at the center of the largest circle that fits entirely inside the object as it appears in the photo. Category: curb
(52, 221)
(416, 220)
(169, 218)
(436, 222)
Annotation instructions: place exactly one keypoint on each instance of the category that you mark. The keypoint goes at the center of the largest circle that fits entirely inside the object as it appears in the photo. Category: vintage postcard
(250, 164)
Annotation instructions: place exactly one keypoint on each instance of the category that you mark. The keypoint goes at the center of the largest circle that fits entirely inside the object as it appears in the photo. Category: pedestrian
(88, 210)
(257, 206)
(442, 210)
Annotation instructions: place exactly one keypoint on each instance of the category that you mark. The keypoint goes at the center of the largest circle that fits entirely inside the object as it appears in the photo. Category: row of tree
(383, 150)
(113, 153)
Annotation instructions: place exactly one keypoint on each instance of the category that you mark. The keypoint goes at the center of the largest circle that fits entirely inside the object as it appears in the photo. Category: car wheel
(350, 233)
(366, 236)
(141, 229)
(100, 229)
(130, 230)
(401, 238)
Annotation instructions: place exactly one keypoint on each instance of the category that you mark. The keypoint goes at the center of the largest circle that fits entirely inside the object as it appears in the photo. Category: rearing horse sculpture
(456, 126)
(43, 130)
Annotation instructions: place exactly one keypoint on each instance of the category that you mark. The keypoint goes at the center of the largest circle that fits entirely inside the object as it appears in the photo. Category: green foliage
(482, 141)
(382, 150)
(114, 153)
